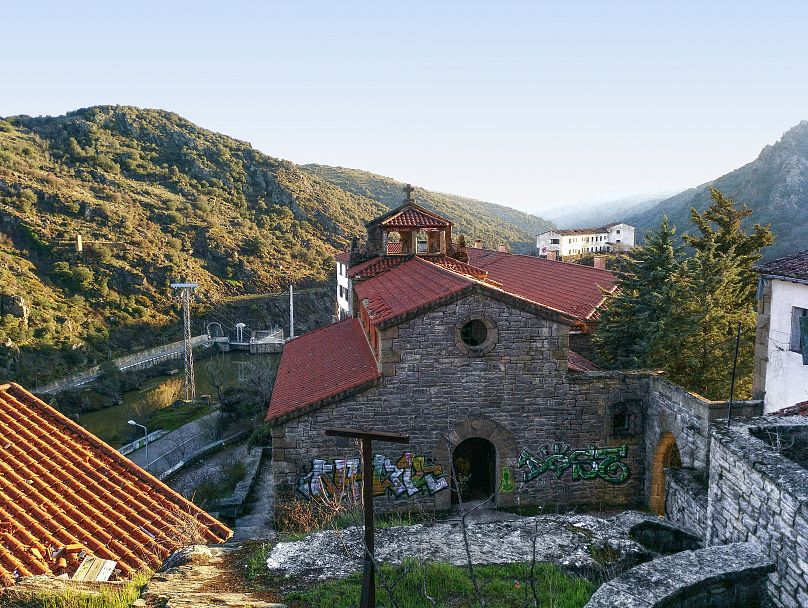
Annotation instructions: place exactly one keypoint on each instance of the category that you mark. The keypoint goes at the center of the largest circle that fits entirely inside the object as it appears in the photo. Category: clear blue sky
(530, 104)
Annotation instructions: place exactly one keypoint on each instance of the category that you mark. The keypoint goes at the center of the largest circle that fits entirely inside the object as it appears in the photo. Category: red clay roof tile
(794, 266)
(577, 363)
(570, 288)
(321, 364)
(62, 486)
(411, 217)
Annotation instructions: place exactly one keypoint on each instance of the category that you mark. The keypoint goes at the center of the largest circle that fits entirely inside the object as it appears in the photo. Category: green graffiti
(588, 463)
(506, 482)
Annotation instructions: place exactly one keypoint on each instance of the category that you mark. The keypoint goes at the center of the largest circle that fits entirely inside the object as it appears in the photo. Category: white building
(581, 241)
(781, 349)
(344, 303)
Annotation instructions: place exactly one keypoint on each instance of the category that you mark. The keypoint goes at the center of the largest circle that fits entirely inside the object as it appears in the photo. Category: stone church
(468, 352)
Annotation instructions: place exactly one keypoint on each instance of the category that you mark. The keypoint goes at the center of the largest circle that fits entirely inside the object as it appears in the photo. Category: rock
(15, 306)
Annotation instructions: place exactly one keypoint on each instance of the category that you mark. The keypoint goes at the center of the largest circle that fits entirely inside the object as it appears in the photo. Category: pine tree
(709, 300)
(636, 318)
(721, 227)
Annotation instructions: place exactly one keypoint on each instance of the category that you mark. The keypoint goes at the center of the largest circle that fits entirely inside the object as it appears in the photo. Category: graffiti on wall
(588, 463)
(342, 477)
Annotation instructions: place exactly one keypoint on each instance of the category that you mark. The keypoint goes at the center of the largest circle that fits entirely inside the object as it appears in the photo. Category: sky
(528, 104)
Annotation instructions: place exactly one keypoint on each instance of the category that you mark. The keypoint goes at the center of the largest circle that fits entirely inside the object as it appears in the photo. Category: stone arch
(666, 455)
(478, 426)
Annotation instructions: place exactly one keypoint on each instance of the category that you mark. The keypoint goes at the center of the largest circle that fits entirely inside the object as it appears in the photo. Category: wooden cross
(408, 190)
(367, 437)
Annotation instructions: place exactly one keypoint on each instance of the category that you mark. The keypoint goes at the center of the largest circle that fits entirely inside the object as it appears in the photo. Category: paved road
(170, 449)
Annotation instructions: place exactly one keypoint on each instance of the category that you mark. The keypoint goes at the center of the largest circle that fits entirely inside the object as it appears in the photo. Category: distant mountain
(494, 224)
(157, 198)
(774, 186)
(601, 210)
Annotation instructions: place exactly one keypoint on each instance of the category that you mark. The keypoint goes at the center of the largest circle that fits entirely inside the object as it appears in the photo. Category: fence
(141, 360)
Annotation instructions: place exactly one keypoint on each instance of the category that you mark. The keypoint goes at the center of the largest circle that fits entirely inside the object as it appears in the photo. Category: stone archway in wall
(505, 455)
(475, 463)
(666, 456)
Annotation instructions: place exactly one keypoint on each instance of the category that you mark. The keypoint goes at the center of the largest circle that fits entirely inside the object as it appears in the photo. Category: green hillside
(774, 186)
(163, 200)
(474, 219)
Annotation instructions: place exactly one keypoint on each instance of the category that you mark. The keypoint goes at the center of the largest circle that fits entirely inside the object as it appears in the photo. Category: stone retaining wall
(730, 576)
(686, 499)
(757, 494)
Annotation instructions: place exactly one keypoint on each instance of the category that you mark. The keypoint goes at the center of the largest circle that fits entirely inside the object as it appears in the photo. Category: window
(554, 241)
(799, 329)
(474, 333)
(617, 231)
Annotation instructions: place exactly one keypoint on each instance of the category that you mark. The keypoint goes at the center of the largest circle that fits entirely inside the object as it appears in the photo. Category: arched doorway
(666, 456)
(474, 463)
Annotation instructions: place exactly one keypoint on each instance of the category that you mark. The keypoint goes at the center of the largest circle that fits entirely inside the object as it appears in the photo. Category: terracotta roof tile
(321, 364)
(800, 409)
(793, 266)
(570, 288)
(343, 257)
(577, 363)
(60, 485)
(412, 217)
(374, 266)
(459, 267)
(406, 288)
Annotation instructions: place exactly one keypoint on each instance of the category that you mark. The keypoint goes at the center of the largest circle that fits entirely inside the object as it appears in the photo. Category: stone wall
(516, 392)
(732, 576)
(686, 499)
(757, 494)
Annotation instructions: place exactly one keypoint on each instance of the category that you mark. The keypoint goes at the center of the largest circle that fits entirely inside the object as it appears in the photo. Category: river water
(110, 424)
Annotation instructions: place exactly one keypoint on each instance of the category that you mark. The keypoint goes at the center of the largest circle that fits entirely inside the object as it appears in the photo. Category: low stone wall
(758, 494)
(233, 506)
(729, 576)
(686, 499)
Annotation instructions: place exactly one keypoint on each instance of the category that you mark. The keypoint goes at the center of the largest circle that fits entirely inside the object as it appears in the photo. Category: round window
(474, 333)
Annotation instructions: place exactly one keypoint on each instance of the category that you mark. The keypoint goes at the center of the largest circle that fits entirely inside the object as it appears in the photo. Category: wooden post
(368, 599)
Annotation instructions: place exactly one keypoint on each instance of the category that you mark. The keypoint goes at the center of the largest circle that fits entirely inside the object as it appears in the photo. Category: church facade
(467, 352)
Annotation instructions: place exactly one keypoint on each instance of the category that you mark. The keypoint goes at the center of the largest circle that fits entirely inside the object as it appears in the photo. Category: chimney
(478, 244)
(502, 249)
(552, 254)
(599, 261)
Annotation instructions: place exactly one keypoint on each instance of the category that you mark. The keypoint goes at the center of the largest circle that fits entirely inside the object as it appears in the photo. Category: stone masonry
(759, 495)
(515, 392)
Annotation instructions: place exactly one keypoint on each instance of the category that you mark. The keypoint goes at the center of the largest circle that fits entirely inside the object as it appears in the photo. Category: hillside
(600, 211)
(474, 219)
(163, 199)
(774, 186)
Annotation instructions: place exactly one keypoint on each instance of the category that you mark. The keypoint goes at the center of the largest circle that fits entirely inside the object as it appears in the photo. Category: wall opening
(474, 463)
(666, 456)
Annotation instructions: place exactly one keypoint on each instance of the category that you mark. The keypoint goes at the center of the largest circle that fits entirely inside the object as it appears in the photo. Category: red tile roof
(343, 257)
(570, 288)
(459, 267)
(61, 486)
(577, 363)
(415, 217)
(374, 266)
(793, 266)
(800, 409)
(406, 288)
(321, 364)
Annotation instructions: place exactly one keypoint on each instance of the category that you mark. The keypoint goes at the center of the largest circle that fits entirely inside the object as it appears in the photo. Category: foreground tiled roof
(459, 267)
(577, 363)
(793, 266)
(406, 288)
(573, 289)
(64, 493)
(414, 217)
(322, 364)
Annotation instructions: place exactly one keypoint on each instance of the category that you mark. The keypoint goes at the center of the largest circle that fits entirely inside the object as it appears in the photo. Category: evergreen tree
(709, 300)
(721, 228)
(637, 316)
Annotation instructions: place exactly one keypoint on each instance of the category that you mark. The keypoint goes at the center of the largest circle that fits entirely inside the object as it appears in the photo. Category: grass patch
(122, 597)
(221, 487)
(171, 418)
(503, 586)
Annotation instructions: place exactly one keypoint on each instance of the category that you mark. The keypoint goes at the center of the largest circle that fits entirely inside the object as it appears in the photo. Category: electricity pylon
(185, 293)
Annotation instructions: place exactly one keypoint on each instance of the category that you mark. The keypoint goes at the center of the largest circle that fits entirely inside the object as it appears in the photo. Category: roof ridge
(543, 260)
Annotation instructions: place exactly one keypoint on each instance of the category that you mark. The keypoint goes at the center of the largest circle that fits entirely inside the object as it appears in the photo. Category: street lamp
(146, 434)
